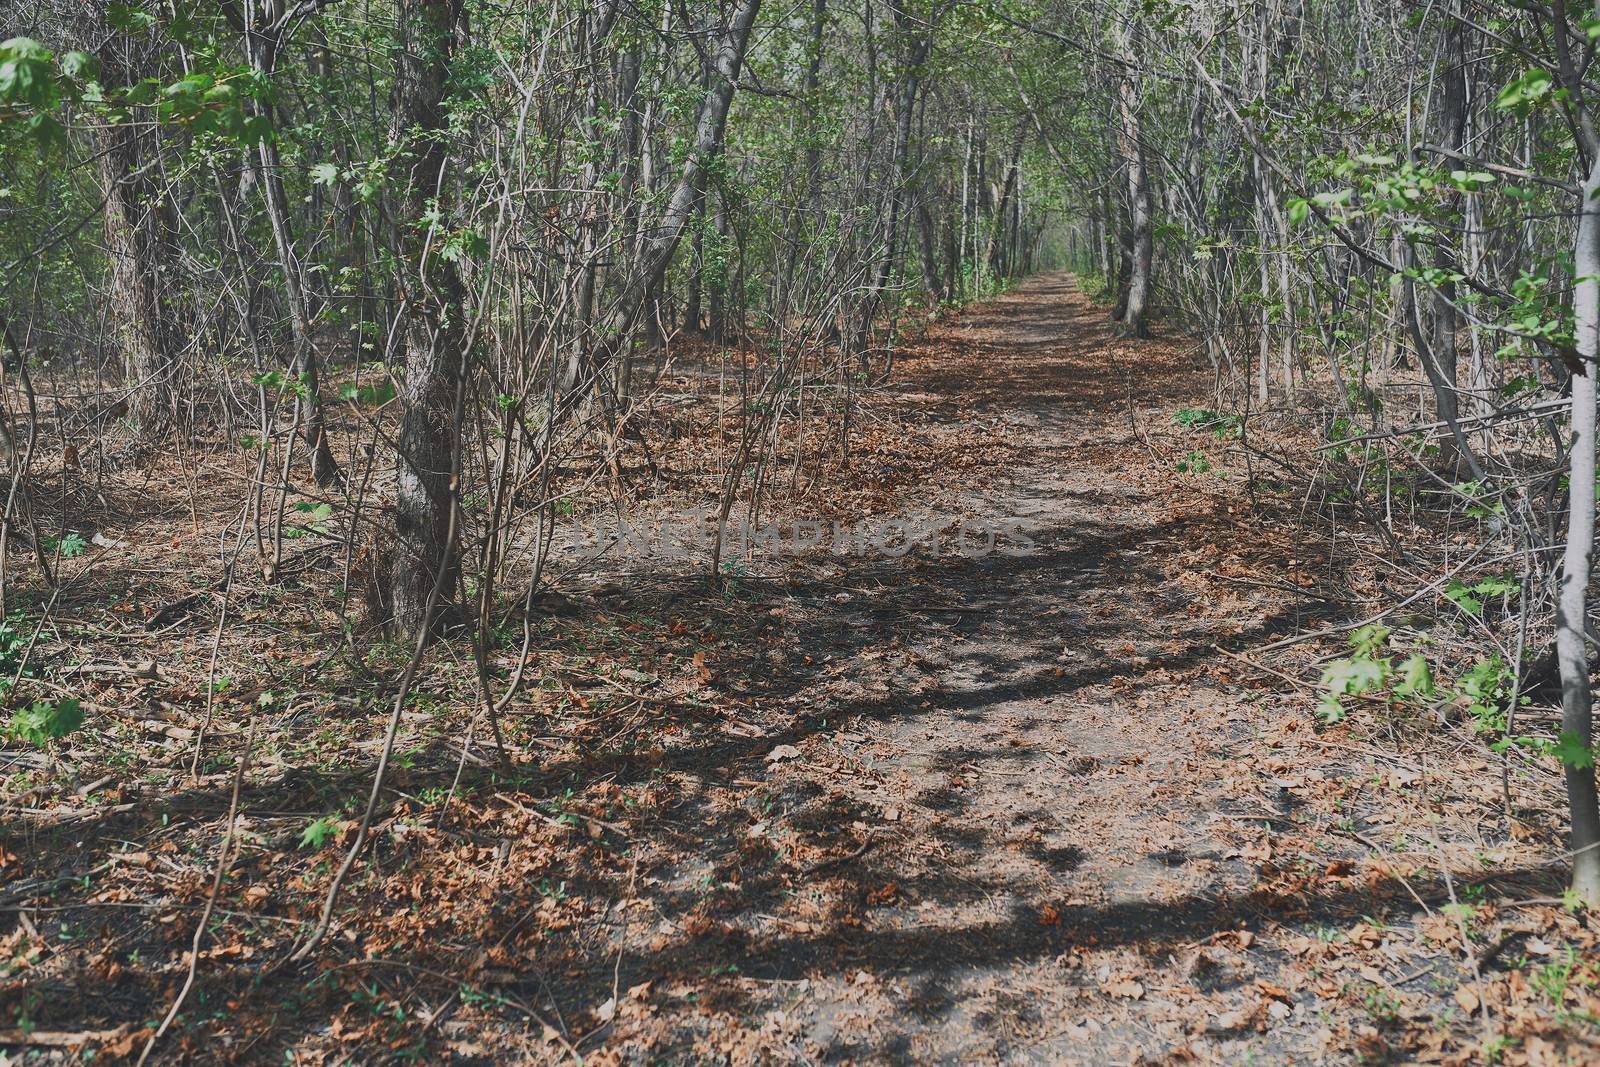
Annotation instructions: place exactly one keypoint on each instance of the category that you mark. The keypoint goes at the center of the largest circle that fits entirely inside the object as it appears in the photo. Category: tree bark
(433, 328)
(656, 251)
(261, 50)
(139, 249)
(1141, 241)
(1572, 650)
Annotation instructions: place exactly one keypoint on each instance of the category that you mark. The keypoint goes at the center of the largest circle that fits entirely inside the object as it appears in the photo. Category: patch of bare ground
(905, 805)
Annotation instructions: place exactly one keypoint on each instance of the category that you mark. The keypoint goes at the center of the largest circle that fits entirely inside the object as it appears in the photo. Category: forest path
(1046, 791)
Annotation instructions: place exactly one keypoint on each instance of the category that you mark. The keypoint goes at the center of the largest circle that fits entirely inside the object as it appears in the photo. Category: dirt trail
(868, 808)
(1044, 792)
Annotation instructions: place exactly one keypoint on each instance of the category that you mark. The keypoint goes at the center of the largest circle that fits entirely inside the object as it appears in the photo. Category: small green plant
(316, 517)
(1486, 691)
(1480, 504)
(13, 644)
(1553, 980)
(70, 546)
(46, 720)
(1383, 1006)
(1194, 463)
(367, 395)
(318, 832)
(1359, 673)
(1222, 427)
(1471, 598)
(1494, 1049)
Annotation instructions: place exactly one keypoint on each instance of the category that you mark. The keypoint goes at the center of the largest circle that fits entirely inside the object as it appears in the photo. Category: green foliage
(14, 640)
(46, 720)
(319, 831)
(1416, 679)
(218, 102)
(1471, 598)
(1362, 672)
(33, 84)
(1522, 94)
(1572, 752)
(70, 546)
(1223, 427)
(370, 395)
(1485, 690)
(315, 516)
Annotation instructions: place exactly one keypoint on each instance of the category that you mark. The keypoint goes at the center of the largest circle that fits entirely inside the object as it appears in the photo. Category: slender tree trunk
(262, 51)
(995, 254)
(656, 251)
(1141, 247)
(915, 48)
(306, 367)
(930, 251)
(693, 318)
(1572, 650)
(433, 330)
(1452, 131)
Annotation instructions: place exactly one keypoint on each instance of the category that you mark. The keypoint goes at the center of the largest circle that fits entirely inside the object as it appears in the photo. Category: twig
(835, 861)
(1426, 590)
(390, 733)
(211, 898)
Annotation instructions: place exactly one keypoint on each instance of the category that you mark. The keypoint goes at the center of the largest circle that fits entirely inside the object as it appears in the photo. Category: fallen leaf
(1272, 992)
(783, 752)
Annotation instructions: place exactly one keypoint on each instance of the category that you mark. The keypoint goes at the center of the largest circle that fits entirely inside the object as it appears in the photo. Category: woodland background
(324, 320)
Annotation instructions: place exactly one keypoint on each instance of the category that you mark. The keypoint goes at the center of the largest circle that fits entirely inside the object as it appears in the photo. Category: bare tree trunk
(139, 249)
(995, 254)
(930, 251)
(692, 315)
(1572, 650)
(656, 251)
(1141, 247)
(914, 55)
(1452, 131)
(306, 366)
(433, 330)
(262, 49)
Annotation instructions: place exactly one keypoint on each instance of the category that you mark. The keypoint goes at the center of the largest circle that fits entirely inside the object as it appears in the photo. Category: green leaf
(1572, 752)
(324, 174)
(45, 720)
(317, 833)
(375, 395)
(70, 547)
(1522, 94)
(1369, 639)
(80, 66)
(47, 130)
(139, 93)
(1460, 594)
(129, 19)
(1416, 679)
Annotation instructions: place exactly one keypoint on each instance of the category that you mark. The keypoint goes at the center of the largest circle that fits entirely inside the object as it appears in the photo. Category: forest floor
(1037, 805)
